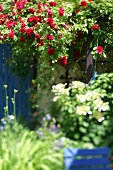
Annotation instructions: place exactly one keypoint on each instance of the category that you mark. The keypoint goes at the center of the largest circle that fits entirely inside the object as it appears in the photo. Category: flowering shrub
(54, 32)
(85, 112)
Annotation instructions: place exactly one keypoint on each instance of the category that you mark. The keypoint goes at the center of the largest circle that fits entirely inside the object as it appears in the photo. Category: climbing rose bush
(54, 32)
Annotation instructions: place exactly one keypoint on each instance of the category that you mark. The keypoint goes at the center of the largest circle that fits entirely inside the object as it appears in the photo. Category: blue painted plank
(71, 168)
(1, 80)
(83, 152)
(86, 162)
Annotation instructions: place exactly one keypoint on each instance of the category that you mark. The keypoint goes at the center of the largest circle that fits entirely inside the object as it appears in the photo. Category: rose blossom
(99, 50)
(52, 3)
(51, 50)
(62, 61)
(29, 31)
(22, 30)
(31, 10)
(83, 3)
(49, 20)
(37, 36)
(50, 37)
(49, 13)
(19, 6)
(10, 24)
(61, 11)
(11, 34)
(1, 8)
(52, 25)
(22, 39)
(95, 27)
(33, 19)
(77, 11)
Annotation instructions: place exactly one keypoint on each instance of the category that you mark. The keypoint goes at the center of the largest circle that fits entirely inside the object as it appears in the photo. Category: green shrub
(83, 112)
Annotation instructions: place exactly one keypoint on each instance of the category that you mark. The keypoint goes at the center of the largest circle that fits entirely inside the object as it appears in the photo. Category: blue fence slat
(7, 78)
(1, 80)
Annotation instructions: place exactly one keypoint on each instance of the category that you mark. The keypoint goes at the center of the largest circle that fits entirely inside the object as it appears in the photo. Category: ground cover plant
(21, 148)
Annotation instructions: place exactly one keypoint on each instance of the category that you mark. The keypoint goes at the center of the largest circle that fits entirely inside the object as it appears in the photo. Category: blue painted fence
(23, 106)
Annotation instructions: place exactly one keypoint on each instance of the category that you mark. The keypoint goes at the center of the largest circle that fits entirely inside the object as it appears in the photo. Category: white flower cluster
(58, 90)
(96, 102)
(77, 84)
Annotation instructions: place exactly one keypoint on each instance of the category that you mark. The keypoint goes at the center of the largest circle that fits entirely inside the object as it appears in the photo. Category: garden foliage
(85, 112)
(54, 32)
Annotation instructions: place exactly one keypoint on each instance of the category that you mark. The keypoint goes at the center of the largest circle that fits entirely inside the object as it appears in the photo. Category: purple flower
(40, 134)
(48, 117)
(55, 128)
(1, 128)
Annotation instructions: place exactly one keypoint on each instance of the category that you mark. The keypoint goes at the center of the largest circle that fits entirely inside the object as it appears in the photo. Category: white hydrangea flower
(83, 110)
(77, 84)
(81, 98)
(60, 89)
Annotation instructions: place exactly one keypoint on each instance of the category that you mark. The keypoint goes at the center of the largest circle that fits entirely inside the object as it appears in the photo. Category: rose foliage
(54, 32)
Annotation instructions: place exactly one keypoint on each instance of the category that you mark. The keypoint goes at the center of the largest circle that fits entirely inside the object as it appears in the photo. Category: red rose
(83, 3)
(99, 50)
(11, 34)
(38, 45)
(52, 25)
(19, 6)
(30, 19)
(49, 20)
(23, 24)
(22, 39)
(29, 31)
(40, 6)
(90, 0)
(33, 19)
(52, 3)
(31, 10)
(49, 13)
(95, 27)
(50, 37)
(9, 24)
(22, 30)
(61, 11)
(62, 61)
(42, 42)
(77, 11)
(37, 36)
(1, 8)
(50, 45)
(51, 50)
